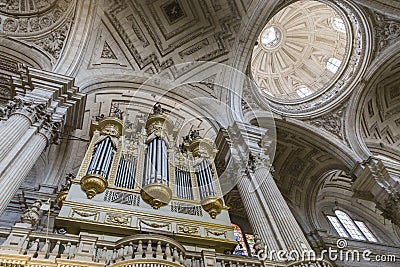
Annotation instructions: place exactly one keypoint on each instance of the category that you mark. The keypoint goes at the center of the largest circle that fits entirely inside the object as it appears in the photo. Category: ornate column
(14, 174)
(268, 212)
(292, 237)
(256, 213)
(44, 105)
(21, 113)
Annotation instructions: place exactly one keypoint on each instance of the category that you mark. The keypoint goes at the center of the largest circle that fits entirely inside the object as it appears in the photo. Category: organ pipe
(156, 163)
(205, 179)
(103, 155)
(183, 183)
(126, 172)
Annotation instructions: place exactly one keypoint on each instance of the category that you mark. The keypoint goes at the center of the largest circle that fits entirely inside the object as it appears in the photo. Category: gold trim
(159, 124)
(115, 163)
(124, 230)
(61, 196)
(202, 148)
(154, 225)
(117, 219)
(156, 195)
(93, 184)
(111, 126)
(88, 157)
(216, 233)
(188, 230)
(213, 205)
(83, 214)
(149, 215)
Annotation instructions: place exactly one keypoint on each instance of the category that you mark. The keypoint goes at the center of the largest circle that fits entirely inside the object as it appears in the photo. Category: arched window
(333, 64)
(338, 25)
(346, 227)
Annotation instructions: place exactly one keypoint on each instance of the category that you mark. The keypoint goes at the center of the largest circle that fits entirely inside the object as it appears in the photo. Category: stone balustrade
(24, 248)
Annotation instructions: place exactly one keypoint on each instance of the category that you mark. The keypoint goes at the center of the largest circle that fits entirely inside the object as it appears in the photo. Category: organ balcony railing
(151, 164)
(22, 247)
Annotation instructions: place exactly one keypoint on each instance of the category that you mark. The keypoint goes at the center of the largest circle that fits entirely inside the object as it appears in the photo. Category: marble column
(290, 231)
(14, 174)
(257, 215)
(22, 114)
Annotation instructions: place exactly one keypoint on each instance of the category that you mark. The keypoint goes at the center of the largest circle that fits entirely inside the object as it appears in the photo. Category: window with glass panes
(347, 227)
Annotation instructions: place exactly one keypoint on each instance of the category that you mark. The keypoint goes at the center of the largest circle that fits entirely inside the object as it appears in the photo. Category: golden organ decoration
(150, 163)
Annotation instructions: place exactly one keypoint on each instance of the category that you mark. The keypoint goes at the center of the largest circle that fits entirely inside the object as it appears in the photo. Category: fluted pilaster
(22, 113)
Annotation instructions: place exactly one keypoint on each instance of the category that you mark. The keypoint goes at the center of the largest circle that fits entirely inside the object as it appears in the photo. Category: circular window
(270, 37)
(300, 51)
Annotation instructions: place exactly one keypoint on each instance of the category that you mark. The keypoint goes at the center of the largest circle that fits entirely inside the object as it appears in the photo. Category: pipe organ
(156, 163)
(126, 172)
(103, 154)
(145, 174)
(205, 179)
(183, 182)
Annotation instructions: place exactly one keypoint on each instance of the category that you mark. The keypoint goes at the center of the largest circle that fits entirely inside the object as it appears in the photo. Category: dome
(300, 51)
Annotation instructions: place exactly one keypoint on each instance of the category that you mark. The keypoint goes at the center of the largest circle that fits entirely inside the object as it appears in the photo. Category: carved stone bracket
(391, 208)
(257, 161)
(24, 106)
(51, 130)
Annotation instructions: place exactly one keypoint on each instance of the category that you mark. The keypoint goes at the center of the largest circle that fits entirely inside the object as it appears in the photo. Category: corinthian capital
(258, 161)
(24, 106)
(51, 130)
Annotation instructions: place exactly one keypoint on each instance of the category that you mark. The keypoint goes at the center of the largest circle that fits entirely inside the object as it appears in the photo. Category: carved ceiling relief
(28, 20)
(387, 31)
(294, 47)
(107, 52)
(381, 113)
(159, 34)
(333, 122)
(336, 90)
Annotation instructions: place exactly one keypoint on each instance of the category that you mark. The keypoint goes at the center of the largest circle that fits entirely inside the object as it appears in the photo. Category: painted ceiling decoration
(300, 50)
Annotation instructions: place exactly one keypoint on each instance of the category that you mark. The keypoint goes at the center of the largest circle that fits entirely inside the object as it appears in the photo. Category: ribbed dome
(300, 50)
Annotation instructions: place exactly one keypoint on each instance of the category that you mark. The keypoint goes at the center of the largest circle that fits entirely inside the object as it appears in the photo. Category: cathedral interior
(169, 133)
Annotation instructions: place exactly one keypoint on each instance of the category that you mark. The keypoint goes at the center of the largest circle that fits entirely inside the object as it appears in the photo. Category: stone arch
(375, 128)
(22, 53)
